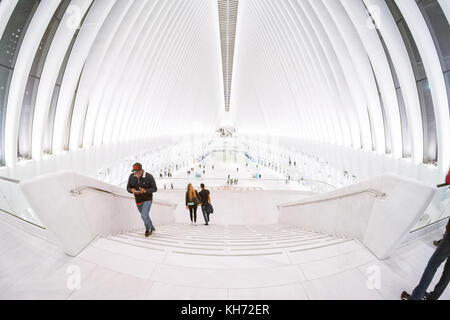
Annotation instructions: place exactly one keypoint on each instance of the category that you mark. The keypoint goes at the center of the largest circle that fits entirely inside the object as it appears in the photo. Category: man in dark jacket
(441, 254)
(142, 185)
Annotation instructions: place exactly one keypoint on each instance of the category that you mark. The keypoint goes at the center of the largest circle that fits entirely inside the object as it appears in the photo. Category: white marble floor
(197, 262)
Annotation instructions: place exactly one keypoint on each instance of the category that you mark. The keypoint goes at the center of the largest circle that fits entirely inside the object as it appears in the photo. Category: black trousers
(193, 213)
(441, 254)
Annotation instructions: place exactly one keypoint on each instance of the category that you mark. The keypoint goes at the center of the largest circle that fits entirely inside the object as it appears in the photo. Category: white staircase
(181, 261)
(228, 240)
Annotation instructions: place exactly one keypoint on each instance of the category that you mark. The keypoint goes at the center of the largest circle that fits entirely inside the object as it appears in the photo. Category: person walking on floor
(441, 255)
(142, 184)
(205, 198)
(192, 202)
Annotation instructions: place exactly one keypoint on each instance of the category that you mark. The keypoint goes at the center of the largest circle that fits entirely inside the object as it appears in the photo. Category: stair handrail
(15, 181)
(78, 191)
(375, 193)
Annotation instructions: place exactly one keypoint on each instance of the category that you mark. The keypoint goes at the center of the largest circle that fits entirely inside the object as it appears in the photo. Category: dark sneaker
(147, 234)
(405, 295)
(150, 233)
(437, 243)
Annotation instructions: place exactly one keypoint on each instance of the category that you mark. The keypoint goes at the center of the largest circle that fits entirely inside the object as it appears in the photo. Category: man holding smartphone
(143, 185)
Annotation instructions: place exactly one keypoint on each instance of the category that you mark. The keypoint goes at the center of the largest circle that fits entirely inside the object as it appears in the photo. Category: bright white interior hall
(327, 123)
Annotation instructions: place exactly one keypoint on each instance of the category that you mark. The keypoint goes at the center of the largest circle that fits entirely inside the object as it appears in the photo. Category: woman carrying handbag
(192, 202)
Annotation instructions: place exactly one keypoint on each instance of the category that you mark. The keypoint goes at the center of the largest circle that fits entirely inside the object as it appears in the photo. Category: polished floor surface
(184, 261)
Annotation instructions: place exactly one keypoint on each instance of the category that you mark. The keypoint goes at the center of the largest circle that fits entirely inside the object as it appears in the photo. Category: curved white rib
(25, 59)
(436, 79)
(57, 52)
(92, 69)
(6, 9)
(315, 71)
(80, 51)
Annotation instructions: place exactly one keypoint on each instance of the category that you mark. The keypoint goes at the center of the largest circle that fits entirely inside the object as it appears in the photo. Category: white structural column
(131, 79)
(57, 52)
(303, 99)
(317, 52)
(154, 114)
(430, 58)
(293, 69)
(316, 30)
(25, 59)
(445, 5)
(116, 82)
(371, 41)
(364, 71)
(303, 48)
(400, 58)
(92, 68)
(142, 71)
(154, 109)
(82, 46)
(357, 92)
(107, 69)
(6, 9)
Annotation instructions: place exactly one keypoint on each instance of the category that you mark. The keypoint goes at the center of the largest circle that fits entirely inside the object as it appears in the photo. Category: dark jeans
(193, 213)
(441, 254)
(205, 214)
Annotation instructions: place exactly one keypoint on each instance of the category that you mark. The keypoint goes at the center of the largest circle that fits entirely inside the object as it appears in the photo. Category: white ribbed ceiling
(369, 75)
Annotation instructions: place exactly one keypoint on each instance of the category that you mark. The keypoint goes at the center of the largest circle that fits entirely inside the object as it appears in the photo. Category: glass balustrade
(13, 202)
(438, 210)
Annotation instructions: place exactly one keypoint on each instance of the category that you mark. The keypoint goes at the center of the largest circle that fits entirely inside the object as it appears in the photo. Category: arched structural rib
(349, 79)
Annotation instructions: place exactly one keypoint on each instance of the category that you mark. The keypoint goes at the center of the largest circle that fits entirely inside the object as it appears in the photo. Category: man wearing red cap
(142, 185)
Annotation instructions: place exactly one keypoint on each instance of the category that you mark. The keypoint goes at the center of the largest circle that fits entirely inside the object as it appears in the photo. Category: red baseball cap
(137, 167)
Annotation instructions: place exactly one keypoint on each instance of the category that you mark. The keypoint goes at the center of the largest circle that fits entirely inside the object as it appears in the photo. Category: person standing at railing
(142, 184)
(441, 255)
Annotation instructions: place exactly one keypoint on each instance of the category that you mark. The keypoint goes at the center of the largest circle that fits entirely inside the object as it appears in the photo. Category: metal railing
(300, 181)
(375, 193)
(15, 181)
(437, 211)
(79, 191)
